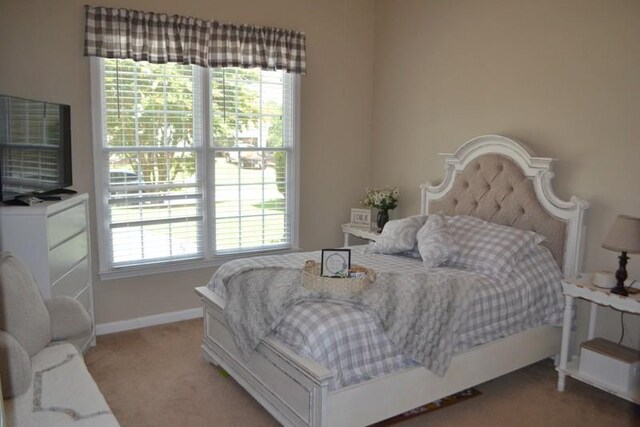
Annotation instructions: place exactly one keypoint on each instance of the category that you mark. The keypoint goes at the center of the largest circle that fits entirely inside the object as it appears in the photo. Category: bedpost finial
(547, 174)
(580, 203)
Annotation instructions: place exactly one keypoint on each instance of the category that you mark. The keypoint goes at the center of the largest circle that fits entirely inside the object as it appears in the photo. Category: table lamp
(623, 237)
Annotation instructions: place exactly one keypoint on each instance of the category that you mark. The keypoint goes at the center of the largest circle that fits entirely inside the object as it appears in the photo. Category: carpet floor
(156, 377)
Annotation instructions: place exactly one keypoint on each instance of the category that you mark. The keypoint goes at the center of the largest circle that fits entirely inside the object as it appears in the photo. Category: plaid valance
(160, 38)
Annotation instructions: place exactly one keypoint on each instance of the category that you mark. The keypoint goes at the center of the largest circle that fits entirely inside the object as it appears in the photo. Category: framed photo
(361, 218)
(335, 262)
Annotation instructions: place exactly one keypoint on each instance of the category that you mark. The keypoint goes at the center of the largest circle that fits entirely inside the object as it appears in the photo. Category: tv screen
(35, 147)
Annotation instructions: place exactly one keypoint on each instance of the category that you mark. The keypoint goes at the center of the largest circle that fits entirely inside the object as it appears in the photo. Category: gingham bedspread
(348, 342)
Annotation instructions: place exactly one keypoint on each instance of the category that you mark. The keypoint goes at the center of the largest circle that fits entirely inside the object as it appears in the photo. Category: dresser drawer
(64, 257)
(65, 224)
(85, 299)
(73, 282)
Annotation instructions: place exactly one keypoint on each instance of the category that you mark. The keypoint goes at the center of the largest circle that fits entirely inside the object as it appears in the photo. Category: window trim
(208, 258)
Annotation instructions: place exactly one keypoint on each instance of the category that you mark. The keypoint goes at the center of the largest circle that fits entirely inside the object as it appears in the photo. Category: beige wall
(562, 76)
(41, 45)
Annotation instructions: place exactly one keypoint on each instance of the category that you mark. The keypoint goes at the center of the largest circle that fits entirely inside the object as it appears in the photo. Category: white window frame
(209, 259)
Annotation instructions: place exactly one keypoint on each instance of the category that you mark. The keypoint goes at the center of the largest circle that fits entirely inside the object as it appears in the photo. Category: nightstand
(580, 286)
(363, 233)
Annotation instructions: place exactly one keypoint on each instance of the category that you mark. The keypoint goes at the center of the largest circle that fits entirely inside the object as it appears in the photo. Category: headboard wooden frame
(539, 171)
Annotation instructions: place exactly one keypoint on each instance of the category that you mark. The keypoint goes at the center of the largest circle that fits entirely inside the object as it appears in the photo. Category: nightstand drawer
(73, 282)
(65, 224)
(65, 256)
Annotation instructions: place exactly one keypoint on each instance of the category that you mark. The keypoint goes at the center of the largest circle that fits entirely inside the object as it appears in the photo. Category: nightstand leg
(593, 316)
(566, 335)
(562, 378)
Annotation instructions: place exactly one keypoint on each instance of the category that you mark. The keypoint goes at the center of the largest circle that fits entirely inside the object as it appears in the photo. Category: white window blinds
(182, 178)
(153, 144)
(248, 111)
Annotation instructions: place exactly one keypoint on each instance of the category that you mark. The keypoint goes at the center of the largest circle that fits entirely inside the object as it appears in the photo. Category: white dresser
(52, 238)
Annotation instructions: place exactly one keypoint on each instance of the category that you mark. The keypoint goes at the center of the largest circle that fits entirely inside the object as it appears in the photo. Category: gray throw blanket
(419, 313)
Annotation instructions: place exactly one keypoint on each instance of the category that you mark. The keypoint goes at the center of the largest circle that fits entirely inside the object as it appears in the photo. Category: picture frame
(335, 263)
(361, 218)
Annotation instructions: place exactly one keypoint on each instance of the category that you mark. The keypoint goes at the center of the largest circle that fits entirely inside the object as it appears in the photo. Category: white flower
(383, 198)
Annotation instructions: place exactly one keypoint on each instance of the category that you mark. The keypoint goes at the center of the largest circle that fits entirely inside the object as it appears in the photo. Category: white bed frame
(295, 390)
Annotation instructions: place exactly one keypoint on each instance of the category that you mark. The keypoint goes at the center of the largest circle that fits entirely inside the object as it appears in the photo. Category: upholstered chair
(28, 323)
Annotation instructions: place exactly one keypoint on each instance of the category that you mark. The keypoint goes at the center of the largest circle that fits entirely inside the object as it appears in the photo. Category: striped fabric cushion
(398, 235)
(435, 242)
(488, 248)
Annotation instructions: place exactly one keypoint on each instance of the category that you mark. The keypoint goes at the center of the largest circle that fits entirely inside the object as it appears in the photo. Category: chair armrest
(69, 319)
(15, 366)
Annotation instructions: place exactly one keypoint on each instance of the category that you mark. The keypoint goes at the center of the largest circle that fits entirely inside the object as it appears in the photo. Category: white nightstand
(580, 286)
(363, 233)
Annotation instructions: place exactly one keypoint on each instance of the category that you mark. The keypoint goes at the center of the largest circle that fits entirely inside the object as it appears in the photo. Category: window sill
(173, 266)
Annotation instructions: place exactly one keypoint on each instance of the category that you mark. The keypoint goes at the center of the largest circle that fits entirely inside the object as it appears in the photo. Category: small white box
(613, 364)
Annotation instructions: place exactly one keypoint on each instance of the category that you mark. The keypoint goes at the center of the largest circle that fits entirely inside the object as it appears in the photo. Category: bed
(490, 177)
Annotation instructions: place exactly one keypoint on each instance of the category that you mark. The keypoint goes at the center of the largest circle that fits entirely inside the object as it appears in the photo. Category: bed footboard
(293, 389)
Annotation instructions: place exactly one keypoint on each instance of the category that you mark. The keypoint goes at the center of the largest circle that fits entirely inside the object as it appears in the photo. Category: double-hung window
(192, 164)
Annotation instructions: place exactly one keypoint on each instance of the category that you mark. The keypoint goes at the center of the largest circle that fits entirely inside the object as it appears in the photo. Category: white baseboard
(142, 322)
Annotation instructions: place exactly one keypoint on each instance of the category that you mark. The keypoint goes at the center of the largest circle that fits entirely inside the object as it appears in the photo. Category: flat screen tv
(35, 149)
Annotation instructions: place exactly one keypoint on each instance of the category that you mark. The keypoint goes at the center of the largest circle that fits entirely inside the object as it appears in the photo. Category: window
(192, 164)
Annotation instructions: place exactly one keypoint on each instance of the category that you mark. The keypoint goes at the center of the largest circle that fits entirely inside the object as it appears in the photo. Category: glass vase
(383, 218)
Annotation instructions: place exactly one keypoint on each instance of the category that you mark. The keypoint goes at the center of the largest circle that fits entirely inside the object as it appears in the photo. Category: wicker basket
(311, 279)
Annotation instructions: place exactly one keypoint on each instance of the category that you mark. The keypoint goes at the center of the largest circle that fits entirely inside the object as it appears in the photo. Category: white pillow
(435, 243)
(398, 235)
(488, 248)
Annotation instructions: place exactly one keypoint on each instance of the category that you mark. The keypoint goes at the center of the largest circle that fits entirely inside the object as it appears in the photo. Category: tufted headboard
(497, 179)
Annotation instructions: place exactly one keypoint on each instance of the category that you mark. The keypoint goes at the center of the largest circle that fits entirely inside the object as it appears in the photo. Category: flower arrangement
(383, 199)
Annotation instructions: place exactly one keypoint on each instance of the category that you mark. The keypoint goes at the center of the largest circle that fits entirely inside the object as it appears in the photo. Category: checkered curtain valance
(160, 38)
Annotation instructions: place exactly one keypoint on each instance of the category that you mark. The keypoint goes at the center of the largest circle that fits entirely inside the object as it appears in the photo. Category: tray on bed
(347, 286)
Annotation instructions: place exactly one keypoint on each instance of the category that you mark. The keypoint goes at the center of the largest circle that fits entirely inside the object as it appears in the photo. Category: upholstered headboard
(497, 179)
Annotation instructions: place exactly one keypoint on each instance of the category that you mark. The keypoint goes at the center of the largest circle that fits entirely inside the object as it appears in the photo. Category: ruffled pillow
(435, 243)
(398, 235)
(489, 248)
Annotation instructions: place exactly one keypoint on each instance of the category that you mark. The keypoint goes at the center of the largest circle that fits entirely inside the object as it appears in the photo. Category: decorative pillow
(398, 235)
(488, 248)
(15, 366)
(435, 242)
(22, 311)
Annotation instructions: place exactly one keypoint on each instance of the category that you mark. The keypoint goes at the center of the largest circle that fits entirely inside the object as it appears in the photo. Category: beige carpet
(156, 377)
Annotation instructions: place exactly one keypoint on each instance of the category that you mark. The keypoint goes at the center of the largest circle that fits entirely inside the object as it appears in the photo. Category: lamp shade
(624, 236)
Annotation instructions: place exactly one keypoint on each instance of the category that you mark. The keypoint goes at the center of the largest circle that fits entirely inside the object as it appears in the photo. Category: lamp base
(620, 290)
(621, 276)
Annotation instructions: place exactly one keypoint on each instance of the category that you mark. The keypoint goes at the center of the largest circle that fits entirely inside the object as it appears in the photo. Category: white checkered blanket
(418, 312)
(350, 343)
